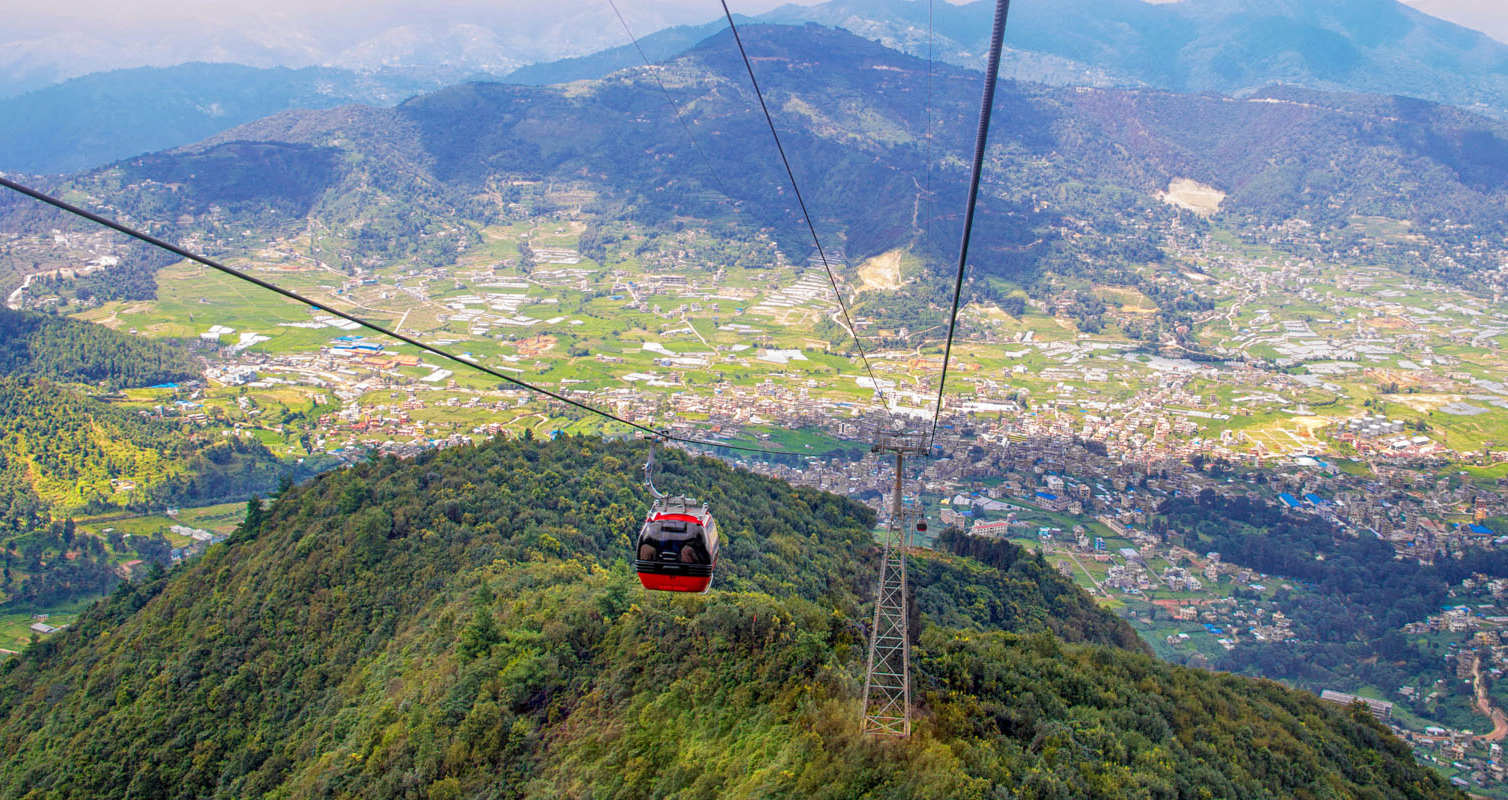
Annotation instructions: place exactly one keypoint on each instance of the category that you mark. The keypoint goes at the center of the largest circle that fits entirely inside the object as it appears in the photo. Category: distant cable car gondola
(677, 547)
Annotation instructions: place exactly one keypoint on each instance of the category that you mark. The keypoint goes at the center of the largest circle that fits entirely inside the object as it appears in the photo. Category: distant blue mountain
(1225, 46)
(107, 116)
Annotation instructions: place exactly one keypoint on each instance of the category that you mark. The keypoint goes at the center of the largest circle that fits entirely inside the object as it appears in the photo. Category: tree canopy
(467, 625)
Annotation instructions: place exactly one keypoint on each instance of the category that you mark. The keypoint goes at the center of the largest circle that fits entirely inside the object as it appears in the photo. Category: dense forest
(56, 564)
(62, 349)
(134, 278)
(997, 582)
(466, 625)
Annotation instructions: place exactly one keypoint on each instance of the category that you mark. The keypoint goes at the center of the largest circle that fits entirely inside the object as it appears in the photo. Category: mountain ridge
(1279, 154)
(158, 108)
(1225, 46)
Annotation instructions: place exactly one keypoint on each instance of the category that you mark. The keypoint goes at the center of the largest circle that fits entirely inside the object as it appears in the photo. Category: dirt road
(1484, 705)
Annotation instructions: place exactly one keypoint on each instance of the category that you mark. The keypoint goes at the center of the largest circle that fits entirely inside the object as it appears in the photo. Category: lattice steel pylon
(887, 684)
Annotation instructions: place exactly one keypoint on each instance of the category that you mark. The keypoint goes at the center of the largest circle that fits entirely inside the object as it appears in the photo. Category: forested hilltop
(60, 349)
(465, 625)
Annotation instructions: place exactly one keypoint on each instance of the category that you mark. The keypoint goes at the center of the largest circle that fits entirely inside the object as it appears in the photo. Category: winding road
(1484, 705)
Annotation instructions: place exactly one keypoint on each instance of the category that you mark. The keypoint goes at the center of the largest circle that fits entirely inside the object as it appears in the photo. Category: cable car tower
(887, 684)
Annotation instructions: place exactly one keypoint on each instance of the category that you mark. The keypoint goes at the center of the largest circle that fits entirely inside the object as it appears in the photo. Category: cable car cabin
(677, 547)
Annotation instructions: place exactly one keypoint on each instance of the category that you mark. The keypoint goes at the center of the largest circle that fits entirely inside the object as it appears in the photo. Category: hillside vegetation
(66, 449)
(465, 625)
(74, 452)
(60, 349)
(64, 452)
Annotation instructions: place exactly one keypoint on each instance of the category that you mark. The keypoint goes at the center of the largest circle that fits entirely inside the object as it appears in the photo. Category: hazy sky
(42, 41)
(33, 18)
(1487, 16)
(356, 19)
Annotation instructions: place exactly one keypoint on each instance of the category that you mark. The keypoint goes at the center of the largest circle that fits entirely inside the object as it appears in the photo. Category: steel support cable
(806, 215)
(673, 107)
(927, 163)
(235, 273)
(986, 105)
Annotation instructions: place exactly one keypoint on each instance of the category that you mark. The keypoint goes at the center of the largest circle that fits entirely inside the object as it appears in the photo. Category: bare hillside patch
(883, 272)
(1194, 196)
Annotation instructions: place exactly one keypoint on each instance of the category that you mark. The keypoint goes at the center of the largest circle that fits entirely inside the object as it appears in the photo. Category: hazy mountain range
(851, 114)
(1483, 15)
(88, 121)
(1224, 46)
(492, 37)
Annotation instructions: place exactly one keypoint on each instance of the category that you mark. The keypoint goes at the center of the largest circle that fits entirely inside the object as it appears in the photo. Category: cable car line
(927, 159)
(806, 215)
(986, 106)
(892, 687)
(677, 109)
(292, 295)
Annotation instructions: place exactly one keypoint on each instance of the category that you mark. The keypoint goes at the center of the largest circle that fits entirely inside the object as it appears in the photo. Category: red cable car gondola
(677, 546)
